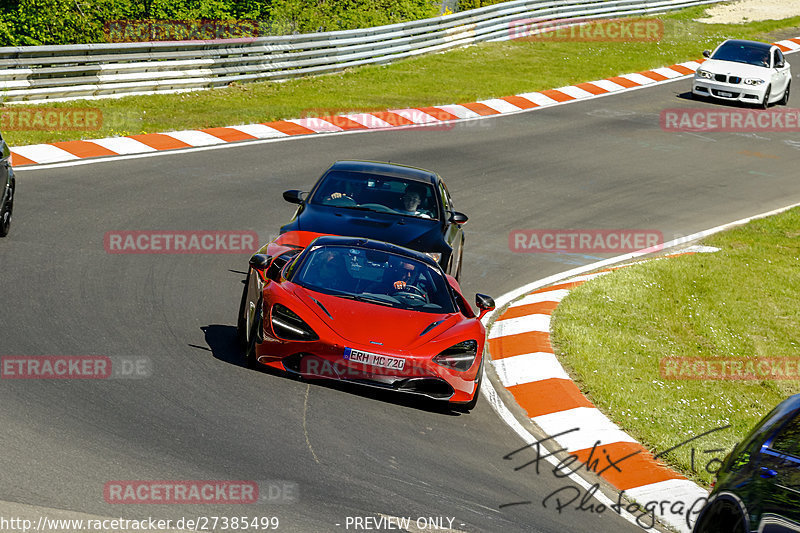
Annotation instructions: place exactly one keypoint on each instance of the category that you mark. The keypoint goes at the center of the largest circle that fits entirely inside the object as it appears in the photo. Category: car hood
(744, 70)
(416, 233)
(377, 325)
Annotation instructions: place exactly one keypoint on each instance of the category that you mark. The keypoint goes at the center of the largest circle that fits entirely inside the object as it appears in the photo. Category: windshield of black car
(382, 194)
(743, 53)
(374, 276)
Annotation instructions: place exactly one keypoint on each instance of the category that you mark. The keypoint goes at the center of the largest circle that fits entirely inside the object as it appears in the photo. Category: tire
(241, 322)
(785, 99)
(5, 212)
(250, 352)
(722, 517)
(470, 405)
(460, 262)
(765, 103)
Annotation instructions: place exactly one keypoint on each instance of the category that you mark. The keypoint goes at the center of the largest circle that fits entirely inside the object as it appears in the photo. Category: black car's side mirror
(706, 53)
(485, 304)
(459, 218)
(293, 197)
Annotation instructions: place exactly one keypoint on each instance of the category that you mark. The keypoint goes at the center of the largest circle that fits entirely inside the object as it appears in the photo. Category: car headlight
(436, 256)
(705, 74)
(753, 81)
(287, 325)
(459, 356)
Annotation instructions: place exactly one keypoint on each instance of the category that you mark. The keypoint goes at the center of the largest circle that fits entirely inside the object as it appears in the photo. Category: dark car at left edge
(8, 184)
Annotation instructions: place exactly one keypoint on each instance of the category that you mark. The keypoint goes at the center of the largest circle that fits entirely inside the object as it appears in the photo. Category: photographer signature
(599, 462)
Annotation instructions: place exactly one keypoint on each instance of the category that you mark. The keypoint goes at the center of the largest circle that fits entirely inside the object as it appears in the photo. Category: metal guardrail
(51, 73)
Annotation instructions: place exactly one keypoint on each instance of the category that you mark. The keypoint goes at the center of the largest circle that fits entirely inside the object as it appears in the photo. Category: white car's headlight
(753, 81)
(705, 74)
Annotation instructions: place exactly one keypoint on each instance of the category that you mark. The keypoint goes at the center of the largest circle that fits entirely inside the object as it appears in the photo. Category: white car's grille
(727, 79)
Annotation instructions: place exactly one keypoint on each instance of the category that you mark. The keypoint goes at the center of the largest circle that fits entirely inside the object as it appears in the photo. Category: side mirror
(459, 218)
(485, 304)
(780, 64)
(293, 196)
(259, 261)
(706, 53)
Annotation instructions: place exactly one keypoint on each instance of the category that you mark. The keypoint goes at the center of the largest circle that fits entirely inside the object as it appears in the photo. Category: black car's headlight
(459, 356)
(436, 256)
(287, 325)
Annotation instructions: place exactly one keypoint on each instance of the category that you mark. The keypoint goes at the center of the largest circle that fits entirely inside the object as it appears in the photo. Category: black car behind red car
(399, 204)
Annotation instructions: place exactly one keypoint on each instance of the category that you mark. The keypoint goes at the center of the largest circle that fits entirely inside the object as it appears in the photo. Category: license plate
(374, 359)
(725, 94)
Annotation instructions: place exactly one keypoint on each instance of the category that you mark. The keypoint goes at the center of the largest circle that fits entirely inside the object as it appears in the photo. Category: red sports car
(366, 311)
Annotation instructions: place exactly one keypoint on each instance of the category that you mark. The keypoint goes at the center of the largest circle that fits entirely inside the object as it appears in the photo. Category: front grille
(727, 79)
(431, 387)
(311, 366)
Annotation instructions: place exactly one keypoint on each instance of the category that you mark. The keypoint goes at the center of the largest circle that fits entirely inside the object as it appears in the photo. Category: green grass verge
(739, 302)
(464, 75)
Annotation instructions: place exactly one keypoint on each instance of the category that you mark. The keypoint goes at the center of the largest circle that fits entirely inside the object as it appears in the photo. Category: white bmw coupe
(744, 71)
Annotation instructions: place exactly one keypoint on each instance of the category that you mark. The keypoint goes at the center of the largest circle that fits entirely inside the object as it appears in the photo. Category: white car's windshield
(743, 53)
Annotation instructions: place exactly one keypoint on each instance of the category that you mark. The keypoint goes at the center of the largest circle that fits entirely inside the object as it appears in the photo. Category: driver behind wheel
(405, 275)
(412, 200)
(342, 190)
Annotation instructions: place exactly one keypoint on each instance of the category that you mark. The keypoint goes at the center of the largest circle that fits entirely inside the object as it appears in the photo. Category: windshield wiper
(359, 208)
(377, 301)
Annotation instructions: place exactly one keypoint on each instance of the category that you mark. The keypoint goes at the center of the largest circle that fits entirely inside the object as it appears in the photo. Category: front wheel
(722, 517)
(765, 103)
(250, 355)
(470, 405)
(241, 322)
(5, 212)
(785, 99)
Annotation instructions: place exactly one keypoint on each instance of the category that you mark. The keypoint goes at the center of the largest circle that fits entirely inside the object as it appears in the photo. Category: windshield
(383, 194)
(374, 276)
(743, 53)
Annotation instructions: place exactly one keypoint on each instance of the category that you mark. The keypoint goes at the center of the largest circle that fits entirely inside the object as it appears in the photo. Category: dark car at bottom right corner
(758, 485)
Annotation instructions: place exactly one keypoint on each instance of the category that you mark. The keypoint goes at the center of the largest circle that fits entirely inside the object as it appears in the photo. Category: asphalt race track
(602, 163)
